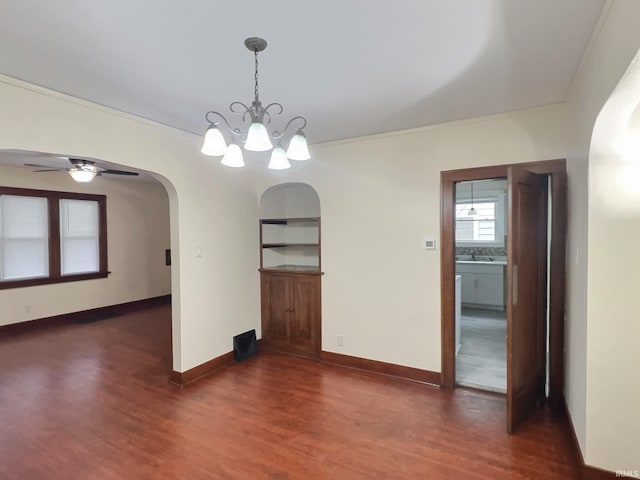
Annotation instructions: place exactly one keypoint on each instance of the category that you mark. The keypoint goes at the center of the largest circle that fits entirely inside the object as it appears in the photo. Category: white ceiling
(350, 67)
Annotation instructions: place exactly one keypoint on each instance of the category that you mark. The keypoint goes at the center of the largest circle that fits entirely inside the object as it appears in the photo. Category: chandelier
(256, 138)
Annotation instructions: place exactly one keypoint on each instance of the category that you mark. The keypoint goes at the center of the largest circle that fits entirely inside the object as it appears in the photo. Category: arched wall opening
(139, 233)
(213, 209)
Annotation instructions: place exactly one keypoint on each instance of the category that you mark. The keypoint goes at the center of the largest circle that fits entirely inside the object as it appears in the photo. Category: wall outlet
(27, 308)
(340, 340)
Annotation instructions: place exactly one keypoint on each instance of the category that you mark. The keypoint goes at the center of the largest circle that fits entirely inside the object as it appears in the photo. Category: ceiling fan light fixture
(233, 157)
(83, 174)
(257, 138)
(279, 159)
(214, 144)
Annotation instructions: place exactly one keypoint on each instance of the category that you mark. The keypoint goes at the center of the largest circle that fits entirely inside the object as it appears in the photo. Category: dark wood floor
(93, 402)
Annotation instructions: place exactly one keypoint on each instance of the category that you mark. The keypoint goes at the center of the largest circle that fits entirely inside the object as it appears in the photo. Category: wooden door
(304, 326)
(526, 283)
(275, 310)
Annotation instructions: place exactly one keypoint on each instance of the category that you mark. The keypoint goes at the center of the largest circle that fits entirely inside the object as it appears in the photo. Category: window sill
(32, 282)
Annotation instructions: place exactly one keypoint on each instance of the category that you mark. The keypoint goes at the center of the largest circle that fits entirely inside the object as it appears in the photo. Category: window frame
(494, 196)
(53, 211)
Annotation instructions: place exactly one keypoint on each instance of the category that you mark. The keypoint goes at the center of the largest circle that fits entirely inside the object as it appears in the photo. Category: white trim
(451, 124)
(15, 82)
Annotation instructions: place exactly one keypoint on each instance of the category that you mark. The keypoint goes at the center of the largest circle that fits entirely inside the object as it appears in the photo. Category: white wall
(613, 389)
(380, 197)
(138, 234)
(213, 207)
(601, 389)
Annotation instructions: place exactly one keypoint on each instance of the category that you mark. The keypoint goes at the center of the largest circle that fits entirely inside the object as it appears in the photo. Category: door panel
(275, 309)
(526, 283)
(305, 321)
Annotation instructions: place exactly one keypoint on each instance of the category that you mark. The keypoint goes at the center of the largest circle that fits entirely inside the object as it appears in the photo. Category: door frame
(557, 171)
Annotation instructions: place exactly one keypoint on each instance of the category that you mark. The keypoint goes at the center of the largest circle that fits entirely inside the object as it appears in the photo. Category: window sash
(479, 228)
(79, 236)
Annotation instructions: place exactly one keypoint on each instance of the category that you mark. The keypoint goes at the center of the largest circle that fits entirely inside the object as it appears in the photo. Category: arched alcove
(290, 200)
(290, 266)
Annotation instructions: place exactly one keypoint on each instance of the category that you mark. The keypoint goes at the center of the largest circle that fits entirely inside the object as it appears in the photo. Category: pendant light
(257, 138)
(472, 211)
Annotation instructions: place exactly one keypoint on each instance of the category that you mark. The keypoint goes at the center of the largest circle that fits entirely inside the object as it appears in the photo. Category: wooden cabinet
(482, 284)
(291, 312)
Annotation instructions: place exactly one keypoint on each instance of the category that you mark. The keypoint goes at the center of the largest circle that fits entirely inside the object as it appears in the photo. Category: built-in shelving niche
(290, 229)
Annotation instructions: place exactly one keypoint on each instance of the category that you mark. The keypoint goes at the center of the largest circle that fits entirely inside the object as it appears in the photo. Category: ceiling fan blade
(119, 172)
(45, 166)
(51, 170)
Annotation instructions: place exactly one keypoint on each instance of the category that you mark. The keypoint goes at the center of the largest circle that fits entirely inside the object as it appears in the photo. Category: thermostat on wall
(429, 243)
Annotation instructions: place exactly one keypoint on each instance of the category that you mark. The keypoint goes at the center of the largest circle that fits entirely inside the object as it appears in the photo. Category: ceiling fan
(81, 170)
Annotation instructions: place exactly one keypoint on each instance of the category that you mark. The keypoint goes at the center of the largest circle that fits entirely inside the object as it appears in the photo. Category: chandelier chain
(255, 52)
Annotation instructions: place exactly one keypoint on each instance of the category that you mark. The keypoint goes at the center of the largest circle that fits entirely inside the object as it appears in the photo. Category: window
(51, 237)
(79, 242)
(24, 237)
(480, 227)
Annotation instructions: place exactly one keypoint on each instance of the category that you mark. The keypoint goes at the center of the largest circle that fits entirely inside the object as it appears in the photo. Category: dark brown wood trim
(71, 317)
(53, 207)
(447, 279)
(556, 169)
(180, 379)
(33, 282)
(275, 271)
(54, 246)
(102, 235)
(593, 473)
(391, 369)
(586, 472)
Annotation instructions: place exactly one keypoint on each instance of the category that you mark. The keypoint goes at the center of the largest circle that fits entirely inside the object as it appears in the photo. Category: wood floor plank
(93, 402)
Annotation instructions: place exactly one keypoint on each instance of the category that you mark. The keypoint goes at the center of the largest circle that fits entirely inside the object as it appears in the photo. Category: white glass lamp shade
(258, 138)
(214, 144)
(233, 156)
(83, 175)
(279, 159)
(298, 148)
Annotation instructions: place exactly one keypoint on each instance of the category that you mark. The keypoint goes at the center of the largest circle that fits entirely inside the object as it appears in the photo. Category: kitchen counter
(481, 262)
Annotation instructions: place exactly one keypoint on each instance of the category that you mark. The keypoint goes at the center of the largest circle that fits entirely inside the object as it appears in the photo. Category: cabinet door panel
(468, 288)
(275, 309)
(490, 289)
(305, 319)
